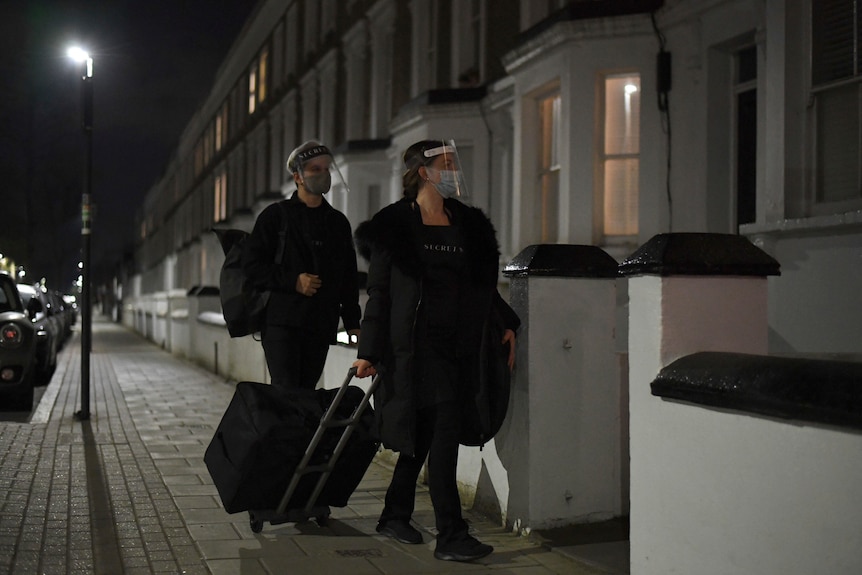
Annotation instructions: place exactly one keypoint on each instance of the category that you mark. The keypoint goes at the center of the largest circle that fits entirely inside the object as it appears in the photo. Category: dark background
(154, 62)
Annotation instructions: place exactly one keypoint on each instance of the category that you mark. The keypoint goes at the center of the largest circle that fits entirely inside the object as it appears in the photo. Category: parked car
(67, 304)
(49, 330)
(70, 304)
(17, 349)
(58, 308)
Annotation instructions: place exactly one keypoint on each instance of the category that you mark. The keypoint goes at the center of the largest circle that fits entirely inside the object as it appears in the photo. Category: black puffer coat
(390, 241)
(332, 257)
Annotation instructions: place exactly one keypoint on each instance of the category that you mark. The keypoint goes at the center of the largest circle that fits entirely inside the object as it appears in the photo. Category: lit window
(252, 90)
(220, 198)
(621, 155)
(263, 64)
(549, 166)
(221, 128)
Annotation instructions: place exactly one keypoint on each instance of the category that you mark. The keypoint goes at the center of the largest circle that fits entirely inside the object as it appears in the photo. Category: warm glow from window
(549, 166)
(220, 198)
(262, 68)
(221, 128)
(621, 155)
(252, 90)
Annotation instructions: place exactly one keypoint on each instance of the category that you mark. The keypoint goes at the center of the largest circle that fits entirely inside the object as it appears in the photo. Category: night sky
(154, 63)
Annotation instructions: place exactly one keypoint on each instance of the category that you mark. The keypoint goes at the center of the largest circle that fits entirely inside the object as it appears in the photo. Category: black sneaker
(466, 549)
(401, 531)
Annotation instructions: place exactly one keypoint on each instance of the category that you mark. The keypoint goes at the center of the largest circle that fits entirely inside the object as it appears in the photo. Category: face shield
(317, 170)
(444, 169)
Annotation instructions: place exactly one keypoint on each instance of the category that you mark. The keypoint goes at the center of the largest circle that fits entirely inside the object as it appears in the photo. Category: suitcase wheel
(255, 524)
(322, 520)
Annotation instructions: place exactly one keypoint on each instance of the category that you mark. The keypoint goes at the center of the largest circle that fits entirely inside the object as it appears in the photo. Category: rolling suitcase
(287, 455)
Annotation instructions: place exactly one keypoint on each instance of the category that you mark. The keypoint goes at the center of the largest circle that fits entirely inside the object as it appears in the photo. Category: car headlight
(10, 335)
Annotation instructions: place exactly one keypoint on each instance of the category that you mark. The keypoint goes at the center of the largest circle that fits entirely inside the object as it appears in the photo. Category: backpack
(243, 305)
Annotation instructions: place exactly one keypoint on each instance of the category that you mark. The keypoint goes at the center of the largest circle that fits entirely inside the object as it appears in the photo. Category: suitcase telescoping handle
(326, 422)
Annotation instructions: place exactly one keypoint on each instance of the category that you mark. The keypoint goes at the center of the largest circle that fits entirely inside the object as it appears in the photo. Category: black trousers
(295, 357)
(437, 429)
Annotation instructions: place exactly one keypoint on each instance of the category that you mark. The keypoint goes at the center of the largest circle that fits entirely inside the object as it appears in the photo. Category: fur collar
(394, 229)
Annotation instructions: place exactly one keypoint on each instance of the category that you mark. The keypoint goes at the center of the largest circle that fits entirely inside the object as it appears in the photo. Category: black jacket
(391, 242)
(331, 256)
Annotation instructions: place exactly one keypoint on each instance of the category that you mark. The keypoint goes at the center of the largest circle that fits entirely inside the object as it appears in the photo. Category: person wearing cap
(432, 287)
(315, 282)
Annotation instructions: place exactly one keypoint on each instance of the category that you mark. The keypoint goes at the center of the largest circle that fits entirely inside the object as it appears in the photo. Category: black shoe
(400, 531)
(466, 549)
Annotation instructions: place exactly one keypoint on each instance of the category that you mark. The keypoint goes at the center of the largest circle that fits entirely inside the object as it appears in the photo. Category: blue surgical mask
(450, 183)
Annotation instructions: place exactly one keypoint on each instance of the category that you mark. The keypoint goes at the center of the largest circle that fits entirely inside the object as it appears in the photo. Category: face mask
(318, 184)
(449, 184)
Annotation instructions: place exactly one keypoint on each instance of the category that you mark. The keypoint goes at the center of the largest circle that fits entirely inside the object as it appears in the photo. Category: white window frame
(829, 88)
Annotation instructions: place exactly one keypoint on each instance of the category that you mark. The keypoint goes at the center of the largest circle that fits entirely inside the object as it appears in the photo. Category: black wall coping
(700, 254)
(562, 260)
(813, 390)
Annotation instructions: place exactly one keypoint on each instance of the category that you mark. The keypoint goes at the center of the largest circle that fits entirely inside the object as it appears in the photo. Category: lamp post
(84, 58)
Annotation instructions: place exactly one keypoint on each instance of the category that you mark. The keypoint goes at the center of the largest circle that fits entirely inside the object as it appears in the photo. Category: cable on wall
(663, 85)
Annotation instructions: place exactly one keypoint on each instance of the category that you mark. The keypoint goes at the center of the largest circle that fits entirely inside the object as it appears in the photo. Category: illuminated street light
(83, 57)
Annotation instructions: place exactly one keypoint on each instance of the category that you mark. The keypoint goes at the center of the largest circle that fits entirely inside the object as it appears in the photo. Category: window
(252, 89)
(426, 18)
(620, 155)
(312, 26)
(208, 144)
(291, 42)
(469, 56)
(549, 166)
(221, 132)
(262, 74)
(836, 80)
(745, 90)
(220, 197)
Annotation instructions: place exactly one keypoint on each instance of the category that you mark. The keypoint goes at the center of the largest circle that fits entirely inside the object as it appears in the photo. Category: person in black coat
(432, 286)
(314, 283)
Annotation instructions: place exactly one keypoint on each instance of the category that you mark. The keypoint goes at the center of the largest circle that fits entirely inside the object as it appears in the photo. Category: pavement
(127, 492)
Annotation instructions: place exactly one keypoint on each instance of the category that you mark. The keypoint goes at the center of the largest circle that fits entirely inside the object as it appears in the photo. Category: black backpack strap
(282, 235)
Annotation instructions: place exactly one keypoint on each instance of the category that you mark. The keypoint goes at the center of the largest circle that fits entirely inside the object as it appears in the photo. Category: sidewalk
(128, 492)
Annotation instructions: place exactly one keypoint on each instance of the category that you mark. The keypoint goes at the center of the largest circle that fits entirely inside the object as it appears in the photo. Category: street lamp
(82, 57)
